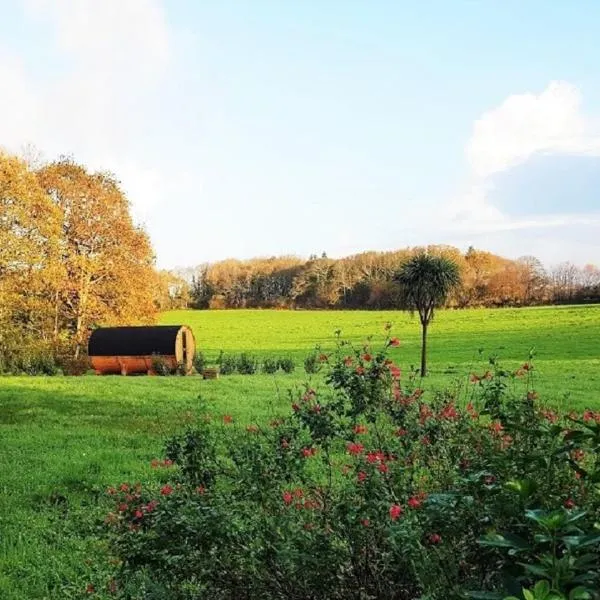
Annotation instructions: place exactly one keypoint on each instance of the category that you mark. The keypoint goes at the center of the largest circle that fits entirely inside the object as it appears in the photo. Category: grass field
(63, 440)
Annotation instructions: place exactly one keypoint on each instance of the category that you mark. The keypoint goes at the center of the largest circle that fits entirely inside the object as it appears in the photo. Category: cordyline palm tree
(426, 282)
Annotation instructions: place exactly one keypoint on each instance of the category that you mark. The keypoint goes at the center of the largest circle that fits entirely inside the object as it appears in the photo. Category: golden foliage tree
(108, 261)
(30, 271)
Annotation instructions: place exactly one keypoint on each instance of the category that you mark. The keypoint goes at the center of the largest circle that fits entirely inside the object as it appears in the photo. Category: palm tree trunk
(424, 351)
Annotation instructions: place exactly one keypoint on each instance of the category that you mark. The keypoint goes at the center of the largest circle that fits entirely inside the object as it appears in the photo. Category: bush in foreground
(367, 491)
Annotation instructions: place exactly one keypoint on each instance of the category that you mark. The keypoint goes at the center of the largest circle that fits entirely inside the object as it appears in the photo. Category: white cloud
(112, 54)
(551, 122)
(526, 124)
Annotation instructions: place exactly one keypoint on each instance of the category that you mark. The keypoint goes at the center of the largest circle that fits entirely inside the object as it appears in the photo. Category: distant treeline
(367, 281)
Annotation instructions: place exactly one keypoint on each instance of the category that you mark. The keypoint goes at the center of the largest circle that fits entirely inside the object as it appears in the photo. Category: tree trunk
(424, 351)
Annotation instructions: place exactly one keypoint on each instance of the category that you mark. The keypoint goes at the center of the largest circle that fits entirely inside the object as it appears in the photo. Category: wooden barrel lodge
(128, 350)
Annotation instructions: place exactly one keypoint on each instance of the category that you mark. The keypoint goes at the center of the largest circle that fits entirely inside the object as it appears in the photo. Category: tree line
(71, 258)
(368, 281)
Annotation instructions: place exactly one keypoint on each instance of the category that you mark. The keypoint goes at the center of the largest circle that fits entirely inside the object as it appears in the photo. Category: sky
(265, 127)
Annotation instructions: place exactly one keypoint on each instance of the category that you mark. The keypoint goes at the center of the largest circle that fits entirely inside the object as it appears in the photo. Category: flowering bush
(367, 489)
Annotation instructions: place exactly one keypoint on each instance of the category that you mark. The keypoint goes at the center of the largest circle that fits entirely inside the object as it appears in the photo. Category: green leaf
(495, 540)
(589, 540)
(541, 589)
(535, 570)
(528, 595)
(486, 596)
(580, 593)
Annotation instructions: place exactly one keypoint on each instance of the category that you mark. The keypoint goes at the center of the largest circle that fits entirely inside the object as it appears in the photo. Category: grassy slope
(62, 440)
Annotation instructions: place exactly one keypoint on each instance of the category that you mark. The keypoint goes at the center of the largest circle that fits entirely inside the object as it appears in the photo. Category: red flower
(395, 372)
(139, 514)
(288, 498)
(449, 412)
(360, 429)
(167, 462)
(395, 511)
(90, 589)
(414, 502)
(354, 449)
(361, 476)
(298, 493)
(496, 427)
(425, 441)
(122, 507)
(306, 452)
(383, 468)
(374, 457)
(155, 464)
(227, 419)
(124, 487)
(569, 503)
(366, 523)
(166, 490)
(367, 357)
(400, 432)
(394, 342)
(323, 358)
(295, 407)
(435, 538)
(360, 370)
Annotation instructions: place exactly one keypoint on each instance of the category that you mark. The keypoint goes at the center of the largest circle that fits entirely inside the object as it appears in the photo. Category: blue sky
(284, 127)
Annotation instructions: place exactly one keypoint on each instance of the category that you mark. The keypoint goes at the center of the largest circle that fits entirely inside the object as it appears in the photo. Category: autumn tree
(29, 265)
(427, 281)
(108, 261)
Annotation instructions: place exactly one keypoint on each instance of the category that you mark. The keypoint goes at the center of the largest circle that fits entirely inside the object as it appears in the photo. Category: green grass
(64, 439)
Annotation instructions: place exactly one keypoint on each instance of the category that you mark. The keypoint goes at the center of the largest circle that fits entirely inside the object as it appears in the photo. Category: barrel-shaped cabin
(129, 350)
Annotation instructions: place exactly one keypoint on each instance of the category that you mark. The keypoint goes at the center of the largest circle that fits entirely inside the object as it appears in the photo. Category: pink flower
(414, 502)
(306, 452)
(354, 449)
(166, 490)
(361, 476)
(395, 511)
(435, 538)
(366, 523)
(569, 503)
(288, 498)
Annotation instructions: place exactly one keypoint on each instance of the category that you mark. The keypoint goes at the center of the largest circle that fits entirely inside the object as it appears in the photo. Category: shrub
(366, 490)
(160, 365)
(287, 365)
(200, 362)
(227, 364)
(246, 364)
(312, 364)
(270, 366)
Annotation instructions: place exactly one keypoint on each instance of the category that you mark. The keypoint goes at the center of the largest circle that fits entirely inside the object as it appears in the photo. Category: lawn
(63, 440)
